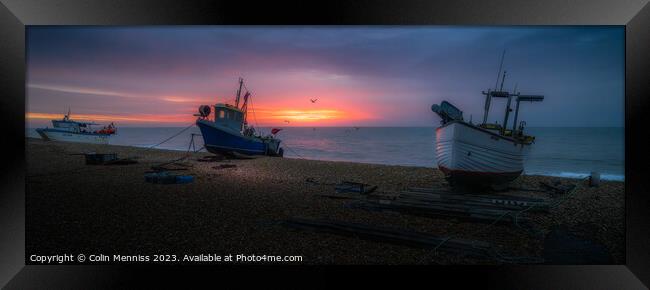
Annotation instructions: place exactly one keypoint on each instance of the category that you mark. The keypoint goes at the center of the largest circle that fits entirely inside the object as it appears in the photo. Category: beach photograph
(316, 145)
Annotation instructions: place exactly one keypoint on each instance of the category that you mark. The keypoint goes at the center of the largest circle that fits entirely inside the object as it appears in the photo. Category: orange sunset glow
(264, 117)
(332, 106)
(356, 76)
(111, 118)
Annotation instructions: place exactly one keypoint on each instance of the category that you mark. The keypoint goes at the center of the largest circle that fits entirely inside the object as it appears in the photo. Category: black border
(15, 14)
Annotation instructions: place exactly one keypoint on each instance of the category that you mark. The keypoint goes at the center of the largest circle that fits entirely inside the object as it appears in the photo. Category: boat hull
(220, 140)
(471, 155)
(67, 136)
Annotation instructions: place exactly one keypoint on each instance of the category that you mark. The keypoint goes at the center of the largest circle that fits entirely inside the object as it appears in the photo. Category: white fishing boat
(483, 154)
(68, 130)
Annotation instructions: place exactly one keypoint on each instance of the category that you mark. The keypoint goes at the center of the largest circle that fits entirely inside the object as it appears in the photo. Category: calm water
(568, 152)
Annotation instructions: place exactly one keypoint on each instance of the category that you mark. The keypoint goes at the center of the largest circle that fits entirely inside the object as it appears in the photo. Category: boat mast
(514, 94)
(505, 118)
(241, 82)
(530, 98)
(244, 107)
(502, 81)
(514, 125)
(488, 96)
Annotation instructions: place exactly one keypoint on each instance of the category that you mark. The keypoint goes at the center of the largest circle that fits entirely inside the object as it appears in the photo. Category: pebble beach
(72, 207)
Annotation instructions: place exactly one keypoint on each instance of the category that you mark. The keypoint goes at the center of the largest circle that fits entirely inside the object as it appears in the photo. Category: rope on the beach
(172, 137)
(187, 155)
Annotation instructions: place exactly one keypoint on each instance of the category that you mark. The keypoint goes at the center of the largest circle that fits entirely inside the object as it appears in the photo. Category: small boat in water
(228, 130)
(483, 154)
(68, 130)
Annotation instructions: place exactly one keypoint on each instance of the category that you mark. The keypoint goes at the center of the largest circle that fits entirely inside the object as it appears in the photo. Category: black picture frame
(15, 15)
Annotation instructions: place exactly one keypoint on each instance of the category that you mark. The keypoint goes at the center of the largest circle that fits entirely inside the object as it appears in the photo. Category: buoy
(184, 179)
(165, 177)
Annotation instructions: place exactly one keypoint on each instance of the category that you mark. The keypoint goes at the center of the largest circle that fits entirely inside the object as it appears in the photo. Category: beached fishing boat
(228, 130)
(486, 153)
(68, 130)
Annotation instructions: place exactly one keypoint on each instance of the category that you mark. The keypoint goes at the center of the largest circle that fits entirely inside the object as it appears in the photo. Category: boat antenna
(241, 82)
(502, 81)
(488, 95)
(500, 67)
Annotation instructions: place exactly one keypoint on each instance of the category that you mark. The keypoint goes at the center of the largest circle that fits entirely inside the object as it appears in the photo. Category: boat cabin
(228, 116)
(73, 126)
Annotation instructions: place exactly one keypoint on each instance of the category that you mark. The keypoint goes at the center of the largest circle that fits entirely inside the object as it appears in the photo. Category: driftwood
(391, 235)
(346, 189)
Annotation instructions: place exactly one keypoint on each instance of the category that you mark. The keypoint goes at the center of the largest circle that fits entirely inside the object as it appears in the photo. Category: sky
(361, 75)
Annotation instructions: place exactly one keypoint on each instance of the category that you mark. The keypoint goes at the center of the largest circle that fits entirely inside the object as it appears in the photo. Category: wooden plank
(391, 235)
(489, 195)
(503, 217)
(486, 201)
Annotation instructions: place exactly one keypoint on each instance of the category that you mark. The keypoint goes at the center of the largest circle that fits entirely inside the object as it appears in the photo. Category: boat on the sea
(486, 153)
(227, 131)
(68, 130)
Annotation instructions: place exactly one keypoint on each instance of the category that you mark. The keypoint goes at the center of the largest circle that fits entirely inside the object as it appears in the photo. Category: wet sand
(72, 207)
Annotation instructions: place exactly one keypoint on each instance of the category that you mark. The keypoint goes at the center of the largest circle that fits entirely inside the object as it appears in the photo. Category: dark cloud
(579, 69)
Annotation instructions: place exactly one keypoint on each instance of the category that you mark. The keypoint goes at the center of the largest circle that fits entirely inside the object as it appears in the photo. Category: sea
(557, 151)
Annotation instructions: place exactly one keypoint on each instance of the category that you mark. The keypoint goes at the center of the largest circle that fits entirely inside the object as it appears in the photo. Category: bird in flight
(313, 100)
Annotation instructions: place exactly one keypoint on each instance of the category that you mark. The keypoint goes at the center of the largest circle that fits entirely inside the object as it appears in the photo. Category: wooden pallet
(493, 201)
(469, 213)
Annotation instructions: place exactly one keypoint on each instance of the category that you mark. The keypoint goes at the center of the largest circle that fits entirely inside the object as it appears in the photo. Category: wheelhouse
(228, 116)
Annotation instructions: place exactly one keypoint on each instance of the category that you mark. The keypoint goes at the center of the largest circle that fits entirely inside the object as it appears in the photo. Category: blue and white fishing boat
(68, 130)
(228, 130)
